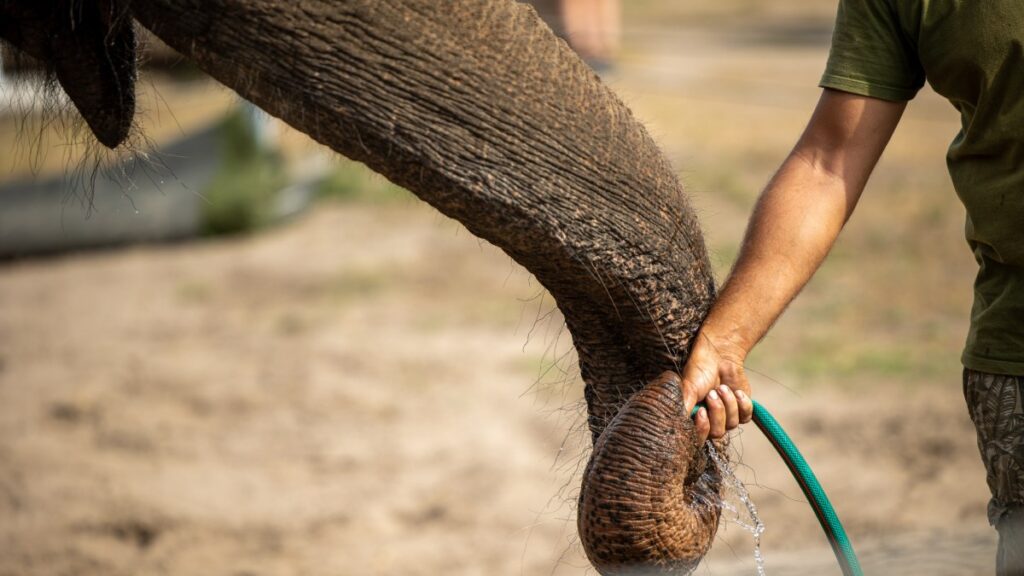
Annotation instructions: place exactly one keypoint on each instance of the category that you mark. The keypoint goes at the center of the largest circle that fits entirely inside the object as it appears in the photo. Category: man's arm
(795, 222)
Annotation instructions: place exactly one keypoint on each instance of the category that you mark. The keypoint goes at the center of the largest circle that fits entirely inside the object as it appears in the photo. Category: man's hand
(714, 373)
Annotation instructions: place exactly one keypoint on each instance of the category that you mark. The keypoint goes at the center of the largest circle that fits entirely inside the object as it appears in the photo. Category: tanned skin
(794, 225)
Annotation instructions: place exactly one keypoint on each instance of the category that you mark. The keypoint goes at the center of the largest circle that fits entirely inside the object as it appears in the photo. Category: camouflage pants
(996, 405)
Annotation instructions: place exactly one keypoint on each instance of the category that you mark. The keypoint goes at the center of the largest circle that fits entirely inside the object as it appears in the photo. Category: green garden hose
(811, 488)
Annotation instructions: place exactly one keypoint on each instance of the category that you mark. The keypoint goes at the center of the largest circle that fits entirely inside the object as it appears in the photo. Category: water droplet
(751, 522)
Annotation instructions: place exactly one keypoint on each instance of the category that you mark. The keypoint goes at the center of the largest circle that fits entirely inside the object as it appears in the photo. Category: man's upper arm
(846, 135)
(872, 53)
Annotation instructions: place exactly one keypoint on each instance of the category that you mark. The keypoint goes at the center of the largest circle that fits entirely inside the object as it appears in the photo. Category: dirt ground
(352, 394)
(371, 390)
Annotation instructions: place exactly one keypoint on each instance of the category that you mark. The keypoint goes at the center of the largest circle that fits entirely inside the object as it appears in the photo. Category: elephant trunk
(482, 112)
(649, 499)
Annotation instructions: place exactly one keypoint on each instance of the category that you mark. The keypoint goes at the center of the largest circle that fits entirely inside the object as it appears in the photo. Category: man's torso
(971, 52)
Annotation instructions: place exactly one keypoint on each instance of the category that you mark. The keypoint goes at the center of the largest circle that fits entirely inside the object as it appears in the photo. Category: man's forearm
(796, 221)
(800, 214)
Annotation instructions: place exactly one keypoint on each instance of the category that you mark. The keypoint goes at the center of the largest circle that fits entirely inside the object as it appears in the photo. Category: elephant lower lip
(91, 49)
(95, 64)
(644, 502)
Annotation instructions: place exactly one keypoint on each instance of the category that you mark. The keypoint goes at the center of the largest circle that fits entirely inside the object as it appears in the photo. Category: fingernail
(724, 389)
(713, 395)
(740, 394)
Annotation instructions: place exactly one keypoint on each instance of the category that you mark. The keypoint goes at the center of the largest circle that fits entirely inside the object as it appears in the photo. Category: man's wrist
(728, 343)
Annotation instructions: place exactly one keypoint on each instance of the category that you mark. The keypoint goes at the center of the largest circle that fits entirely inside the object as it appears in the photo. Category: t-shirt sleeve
(871, 55)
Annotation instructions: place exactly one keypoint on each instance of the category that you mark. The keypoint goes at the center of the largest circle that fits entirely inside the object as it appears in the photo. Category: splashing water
(746, 519)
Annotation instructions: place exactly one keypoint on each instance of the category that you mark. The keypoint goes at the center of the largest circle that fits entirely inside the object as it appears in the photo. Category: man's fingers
(703, 425)
(746, 406)
(716, 414)
(692, 379)
(735, 377)
(732, 411)
(717, 380)
(697, 380)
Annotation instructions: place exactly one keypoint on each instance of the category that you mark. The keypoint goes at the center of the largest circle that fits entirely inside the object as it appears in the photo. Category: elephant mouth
(90, 48)
(648, 502)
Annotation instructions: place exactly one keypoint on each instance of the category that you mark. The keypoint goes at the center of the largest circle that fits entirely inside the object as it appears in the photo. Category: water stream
(745, 518)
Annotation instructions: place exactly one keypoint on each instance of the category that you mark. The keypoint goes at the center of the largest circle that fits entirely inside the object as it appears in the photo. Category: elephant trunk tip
(649, 502)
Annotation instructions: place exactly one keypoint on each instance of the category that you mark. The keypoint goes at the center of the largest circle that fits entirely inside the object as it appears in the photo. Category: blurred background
(237, 353)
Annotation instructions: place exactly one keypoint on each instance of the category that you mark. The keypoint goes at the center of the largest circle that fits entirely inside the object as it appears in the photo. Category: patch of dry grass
(655, 12)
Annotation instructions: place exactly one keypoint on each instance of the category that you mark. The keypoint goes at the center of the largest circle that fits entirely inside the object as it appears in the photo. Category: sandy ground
(326, 398)
(371, 390)
(353, 394)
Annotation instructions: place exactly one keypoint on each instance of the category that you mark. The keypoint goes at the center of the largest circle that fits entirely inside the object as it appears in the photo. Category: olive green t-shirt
(971, 52)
